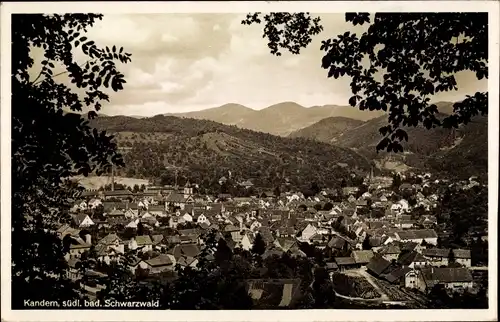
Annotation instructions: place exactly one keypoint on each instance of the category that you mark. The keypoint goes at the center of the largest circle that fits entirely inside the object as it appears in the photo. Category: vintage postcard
(237, 161)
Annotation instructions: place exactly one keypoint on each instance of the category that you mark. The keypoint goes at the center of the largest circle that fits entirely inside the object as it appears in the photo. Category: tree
(412, 56)
(223, 253)
(323, 293)
(44, 152)
(259, 245)
(366, 243)
(328, 206)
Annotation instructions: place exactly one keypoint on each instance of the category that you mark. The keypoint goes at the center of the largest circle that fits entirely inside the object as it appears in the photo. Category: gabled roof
(143, 240)
(109, 239)
(411, 257)
(362, 256)
(378, 265)
(345, 261)
(390, 250)
(190, 250)
(337, 242)
(417, 234)
(118, 193)
(446, 275)
(160, 260)
(397, 274)
(175, 197)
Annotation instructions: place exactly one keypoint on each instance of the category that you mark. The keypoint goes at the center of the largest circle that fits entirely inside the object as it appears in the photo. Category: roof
(411, 257)
(446, 274)
(345, 261)
(157, 239)
(362, 256)
(397, 274)
(378, 265)
(175, 197)
(161, 260)
(390, 250)
(109, 239)
(436, 252)
(190, 250)
(118, 193)
(143, 240)
(417, 234)
(337, 242)
(79, 218)
(273, 293)
(462, 253)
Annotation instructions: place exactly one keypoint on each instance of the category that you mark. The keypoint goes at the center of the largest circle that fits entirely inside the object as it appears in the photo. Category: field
(95, 182)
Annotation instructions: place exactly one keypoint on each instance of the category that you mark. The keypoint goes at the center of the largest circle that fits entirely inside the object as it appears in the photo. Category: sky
(186, 62)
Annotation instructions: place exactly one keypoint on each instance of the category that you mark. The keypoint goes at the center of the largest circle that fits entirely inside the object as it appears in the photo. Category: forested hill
(204, 151)
(461, 153)
(327, 129)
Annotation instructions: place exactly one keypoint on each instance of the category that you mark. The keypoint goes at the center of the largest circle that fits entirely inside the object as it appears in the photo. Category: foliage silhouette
(412, 56)
(49, 145)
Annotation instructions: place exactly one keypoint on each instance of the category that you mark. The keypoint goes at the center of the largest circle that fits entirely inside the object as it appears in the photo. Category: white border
(492, 7)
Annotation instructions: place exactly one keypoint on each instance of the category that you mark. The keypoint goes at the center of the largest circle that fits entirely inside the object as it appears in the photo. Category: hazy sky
(189, 62)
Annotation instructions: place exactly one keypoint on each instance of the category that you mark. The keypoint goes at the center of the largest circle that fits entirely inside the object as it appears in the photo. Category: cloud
(183, 62)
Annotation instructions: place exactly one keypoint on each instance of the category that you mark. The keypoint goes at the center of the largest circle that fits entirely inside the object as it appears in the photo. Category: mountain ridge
(278, 119)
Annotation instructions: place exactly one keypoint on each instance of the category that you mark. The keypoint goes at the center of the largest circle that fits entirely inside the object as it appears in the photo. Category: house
(440, 257)
(405, 224)
(67, 230)
(378, 265)
(141, 242)
(418, 235)
(308, 232)
(346, 263)
(185, 250)
(158, 264)
(390, 252)
(82, 220)
(78, 246)
(187, 261)
(412, 259)
(463, 257)
(112, 241)
(338, 243)
(452, 278)
(362, 257)
(247, 241)
(94, 203)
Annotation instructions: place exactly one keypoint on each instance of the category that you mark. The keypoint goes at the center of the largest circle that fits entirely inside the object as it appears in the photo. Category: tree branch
(61, 73)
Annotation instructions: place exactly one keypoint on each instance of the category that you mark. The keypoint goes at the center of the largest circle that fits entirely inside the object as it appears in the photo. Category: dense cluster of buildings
(164, 227)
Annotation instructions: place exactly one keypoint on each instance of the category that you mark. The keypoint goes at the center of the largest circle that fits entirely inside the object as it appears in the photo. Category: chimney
(88, 239)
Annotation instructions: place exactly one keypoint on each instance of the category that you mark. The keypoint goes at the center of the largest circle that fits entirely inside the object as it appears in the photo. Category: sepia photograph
(243, 156)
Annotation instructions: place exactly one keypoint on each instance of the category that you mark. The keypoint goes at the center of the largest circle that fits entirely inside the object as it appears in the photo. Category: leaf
(77, 43)
(352, 101)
